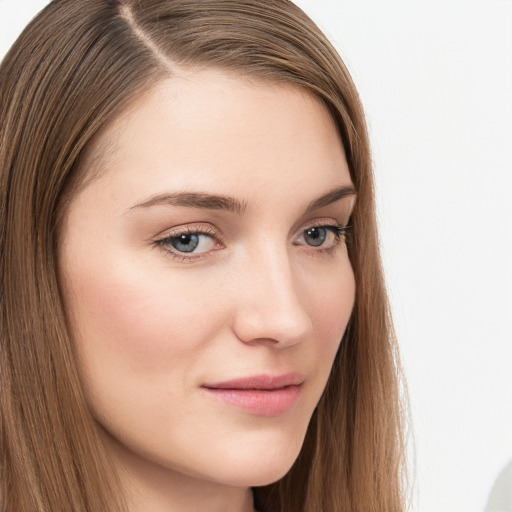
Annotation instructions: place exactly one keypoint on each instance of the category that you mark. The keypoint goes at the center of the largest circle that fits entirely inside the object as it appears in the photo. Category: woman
(194, 315)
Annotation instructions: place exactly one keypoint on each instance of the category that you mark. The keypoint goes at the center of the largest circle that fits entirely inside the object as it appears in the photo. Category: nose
(271, 306)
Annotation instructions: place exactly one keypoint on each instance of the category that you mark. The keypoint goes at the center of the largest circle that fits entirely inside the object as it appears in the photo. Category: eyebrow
(331, 197)
(196, 200)
(233, 205)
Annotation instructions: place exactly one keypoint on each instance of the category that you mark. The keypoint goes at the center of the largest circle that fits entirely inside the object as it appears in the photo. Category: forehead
(213, 127)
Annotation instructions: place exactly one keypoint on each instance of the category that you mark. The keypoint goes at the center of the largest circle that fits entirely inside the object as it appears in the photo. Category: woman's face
(206, 277)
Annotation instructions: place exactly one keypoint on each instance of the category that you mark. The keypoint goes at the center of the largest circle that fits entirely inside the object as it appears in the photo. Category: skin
(152, 326)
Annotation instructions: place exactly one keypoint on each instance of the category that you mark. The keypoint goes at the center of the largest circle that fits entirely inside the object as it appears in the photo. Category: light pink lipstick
(263, 395)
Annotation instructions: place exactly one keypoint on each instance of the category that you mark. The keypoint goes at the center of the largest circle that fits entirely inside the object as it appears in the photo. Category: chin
(269, 477)
(266, 466)
(256, 476)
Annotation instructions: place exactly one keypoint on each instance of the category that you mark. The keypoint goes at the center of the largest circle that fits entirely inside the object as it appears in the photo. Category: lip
(262, 395)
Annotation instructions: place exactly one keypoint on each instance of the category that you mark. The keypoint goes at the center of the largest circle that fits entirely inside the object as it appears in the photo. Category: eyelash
(341, 237)
(205, 230)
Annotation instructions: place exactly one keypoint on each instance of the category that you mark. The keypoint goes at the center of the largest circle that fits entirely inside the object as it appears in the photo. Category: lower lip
(258, 401)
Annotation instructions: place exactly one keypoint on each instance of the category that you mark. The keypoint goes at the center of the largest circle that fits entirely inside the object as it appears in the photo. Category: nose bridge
(271, 308)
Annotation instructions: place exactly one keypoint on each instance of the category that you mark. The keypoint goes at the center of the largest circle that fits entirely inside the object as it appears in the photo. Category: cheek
(332, 302)
(126, 319)
(138, 343)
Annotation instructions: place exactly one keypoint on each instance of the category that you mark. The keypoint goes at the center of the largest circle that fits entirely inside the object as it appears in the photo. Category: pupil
(185, 243)
(316, 236)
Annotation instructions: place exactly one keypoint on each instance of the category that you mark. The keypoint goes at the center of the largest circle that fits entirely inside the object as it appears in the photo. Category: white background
(436, 81)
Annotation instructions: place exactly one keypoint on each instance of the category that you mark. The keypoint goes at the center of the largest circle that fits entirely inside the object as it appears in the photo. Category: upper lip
(264, 382)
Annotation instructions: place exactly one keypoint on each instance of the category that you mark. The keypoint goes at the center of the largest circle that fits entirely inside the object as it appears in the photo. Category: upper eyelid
(322, 222)
(208, 229)
(200, 228)
(341, 208)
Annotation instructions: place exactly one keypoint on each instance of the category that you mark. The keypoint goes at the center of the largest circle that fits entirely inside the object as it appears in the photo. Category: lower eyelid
(182, 257)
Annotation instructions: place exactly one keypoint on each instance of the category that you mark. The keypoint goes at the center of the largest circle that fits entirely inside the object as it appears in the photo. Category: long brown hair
(74, 68)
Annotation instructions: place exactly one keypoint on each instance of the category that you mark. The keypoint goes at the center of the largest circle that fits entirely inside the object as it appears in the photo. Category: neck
(179, 493)
(152, 487)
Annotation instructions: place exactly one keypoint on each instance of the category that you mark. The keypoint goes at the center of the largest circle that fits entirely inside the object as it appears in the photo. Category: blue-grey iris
(315, 236)
(185, 243)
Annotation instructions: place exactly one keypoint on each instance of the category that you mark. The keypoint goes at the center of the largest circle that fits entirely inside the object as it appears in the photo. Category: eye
(323, 237)
(190, 242)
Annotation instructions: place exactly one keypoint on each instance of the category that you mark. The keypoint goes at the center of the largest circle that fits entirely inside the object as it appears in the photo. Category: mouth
(261, 395)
